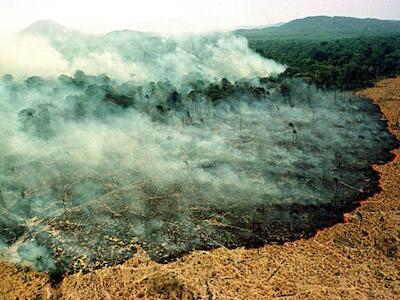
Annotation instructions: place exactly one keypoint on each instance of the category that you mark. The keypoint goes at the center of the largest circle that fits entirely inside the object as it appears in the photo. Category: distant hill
(48, 27)
(54, 32)
(322, 27)
(59, 36)
(71, 42)
(247, 27)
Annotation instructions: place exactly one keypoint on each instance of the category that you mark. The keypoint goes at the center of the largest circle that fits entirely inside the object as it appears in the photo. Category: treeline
(344, 64)
(83, 96)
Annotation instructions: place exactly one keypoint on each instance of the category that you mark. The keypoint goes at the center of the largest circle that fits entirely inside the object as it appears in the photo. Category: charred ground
(196, 166)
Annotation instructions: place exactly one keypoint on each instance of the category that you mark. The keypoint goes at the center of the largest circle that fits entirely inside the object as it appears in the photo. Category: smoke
(29, 55)
(47, 48)
(195, 150)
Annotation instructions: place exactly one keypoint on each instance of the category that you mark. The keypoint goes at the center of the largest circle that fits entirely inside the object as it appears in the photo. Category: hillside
(322, 27)
(319, 27)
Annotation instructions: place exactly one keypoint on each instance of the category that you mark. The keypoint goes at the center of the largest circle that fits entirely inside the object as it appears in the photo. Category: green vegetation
(332, 52)
(323, 28)
(345, 64)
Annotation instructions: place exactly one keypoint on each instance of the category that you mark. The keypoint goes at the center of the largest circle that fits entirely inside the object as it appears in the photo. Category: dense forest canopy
(339, 52)
(345, 64)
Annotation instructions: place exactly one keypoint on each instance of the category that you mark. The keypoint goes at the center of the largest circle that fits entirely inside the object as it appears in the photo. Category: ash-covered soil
(214, 165)
(356, 259)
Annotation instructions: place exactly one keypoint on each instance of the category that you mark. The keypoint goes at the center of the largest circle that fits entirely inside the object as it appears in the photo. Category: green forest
(345, 64)
(343, 53)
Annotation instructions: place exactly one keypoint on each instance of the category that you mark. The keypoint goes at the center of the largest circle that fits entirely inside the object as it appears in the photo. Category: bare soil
(356, 259)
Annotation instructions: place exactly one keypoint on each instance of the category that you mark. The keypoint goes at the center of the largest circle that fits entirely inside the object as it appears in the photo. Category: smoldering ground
(93, 165)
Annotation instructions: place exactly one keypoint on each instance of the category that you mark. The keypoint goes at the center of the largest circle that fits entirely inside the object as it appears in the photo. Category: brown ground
(358, 259)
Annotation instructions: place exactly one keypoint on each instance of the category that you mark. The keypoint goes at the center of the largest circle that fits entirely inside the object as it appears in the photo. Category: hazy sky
(182, 15)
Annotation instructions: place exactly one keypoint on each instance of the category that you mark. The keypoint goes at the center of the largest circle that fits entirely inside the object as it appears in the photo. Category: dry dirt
(357, 259)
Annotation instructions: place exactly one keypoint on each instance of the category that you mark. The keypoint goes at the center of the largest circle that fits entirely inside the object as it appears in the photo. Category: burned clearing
(92, 167)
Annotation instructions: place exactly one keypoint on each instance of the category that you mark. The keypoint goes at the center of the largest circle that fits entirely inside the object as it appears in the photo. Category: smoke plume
(173, 143)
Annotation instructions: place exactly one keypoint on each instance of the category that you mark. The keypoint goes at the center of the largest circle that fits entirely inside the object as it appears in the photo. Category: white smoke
(28, 56)
(140, 56)
(179, 136)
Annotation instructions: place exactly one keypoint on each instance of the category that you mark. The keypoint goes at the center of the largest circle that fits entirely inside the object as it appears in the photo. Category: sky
(98, 16)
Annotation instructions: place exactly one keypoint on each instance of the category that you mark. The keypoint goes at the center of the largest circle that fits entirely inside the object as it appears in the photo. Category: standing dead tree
(2, 203)
(294, 133)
